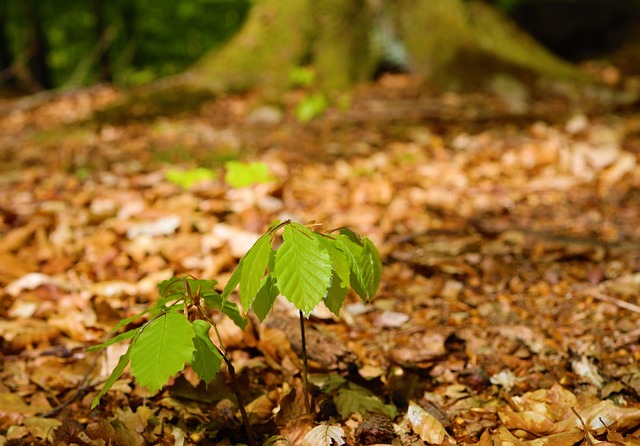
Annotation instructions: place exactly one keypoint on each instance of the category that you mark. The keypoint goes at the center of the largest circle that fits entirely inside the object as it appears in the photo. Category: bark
(38, 46)
(6, 55)
(453, 44)
(280, 35)
(104, 64)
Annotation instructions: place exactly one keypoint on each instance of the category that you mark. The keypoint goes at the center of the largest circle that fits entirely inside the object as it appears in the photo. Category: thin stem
(235, 386)
(305, 376)
(243, 412)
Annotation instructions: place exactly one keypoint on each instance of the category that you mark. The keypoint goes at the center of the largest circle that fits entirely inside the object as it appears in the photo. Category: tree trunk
(453, 44)
(463, 46)
(6, 55)
(280, 35)
(38, 47)
(105, 73)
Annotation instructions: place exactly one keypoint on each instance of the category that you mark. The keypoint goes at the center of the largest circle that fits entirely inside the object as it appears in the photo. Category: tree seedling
(307, 268)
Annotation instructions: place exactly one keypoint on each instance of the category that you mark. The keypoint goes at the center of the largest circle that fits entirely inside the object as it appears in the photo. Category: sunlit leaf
(115, 374)
(426, 425)
(161, 350)
(311, 107)
(302, 268)
(206, 359)
(233, 282)
(339, 261)
(121, 337)
(241, 174)
(371, 267)
(324, 435)
(188, 178)
(302, 76)
(254, 264)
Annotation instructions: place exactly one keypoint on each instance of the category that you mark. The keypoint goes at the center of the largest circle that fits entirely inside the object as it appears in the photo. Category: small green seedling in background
(241, 174)
(307, 268)
(311, 106)
(302, 77)
(351, 398)
(189, 178)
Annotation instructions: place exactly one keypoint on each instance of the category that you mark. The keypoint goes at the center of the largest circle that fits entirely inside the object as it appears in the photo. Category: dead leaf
(426, 425)
(528, 421)
(324, 435)
(601, 415)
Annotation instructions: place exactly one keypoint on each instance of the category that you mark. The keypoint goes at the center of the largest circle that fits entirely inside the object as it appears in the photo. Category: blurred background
(48, 44)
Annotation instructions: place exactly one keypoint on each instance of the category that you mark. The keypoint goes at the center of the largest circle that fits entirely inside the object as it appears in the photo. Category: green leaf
(188, 178)
(311, 106)
(246, 174)
(302, 76)
(161, 350)
(122, 322)
(302, 268)
(328, 383)
(115, 374)
(265, 298)
(339, 261)
(206, 359)
(352, 251)
(230, 309)
(233, 282)
(359, 400)
(335, 295)
(121, 337)
(371, 268)
(254, 264)
(364, 263)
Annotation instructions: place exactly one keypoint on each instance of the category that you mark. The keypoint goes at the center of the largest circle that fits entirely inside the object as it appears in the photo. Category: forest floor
(508, 310)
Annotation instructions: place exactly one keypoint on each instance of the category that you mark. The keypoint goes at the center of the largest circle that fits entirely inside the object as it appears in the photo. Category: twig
(613, 300)
(587, 435)
(82, 388)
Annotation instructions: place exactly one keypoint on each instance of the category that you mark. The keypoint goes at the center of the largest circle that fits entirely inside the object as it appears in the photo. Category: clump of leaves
(189, 178)
(311, 106)
(241, 174)
(307, 268)
(302, 77)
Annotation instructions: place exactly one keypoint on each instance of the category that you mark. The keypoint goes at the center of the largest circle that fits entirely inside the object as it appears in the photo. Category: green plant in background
(189, 178)
(302, 77)
(241, 174)
(307, 268)
(311, 106)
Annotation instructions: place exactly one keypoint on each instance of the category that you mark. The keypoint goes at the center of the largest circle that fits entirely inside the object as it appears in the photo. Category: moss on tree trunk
(280, 35)
(461, 46)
